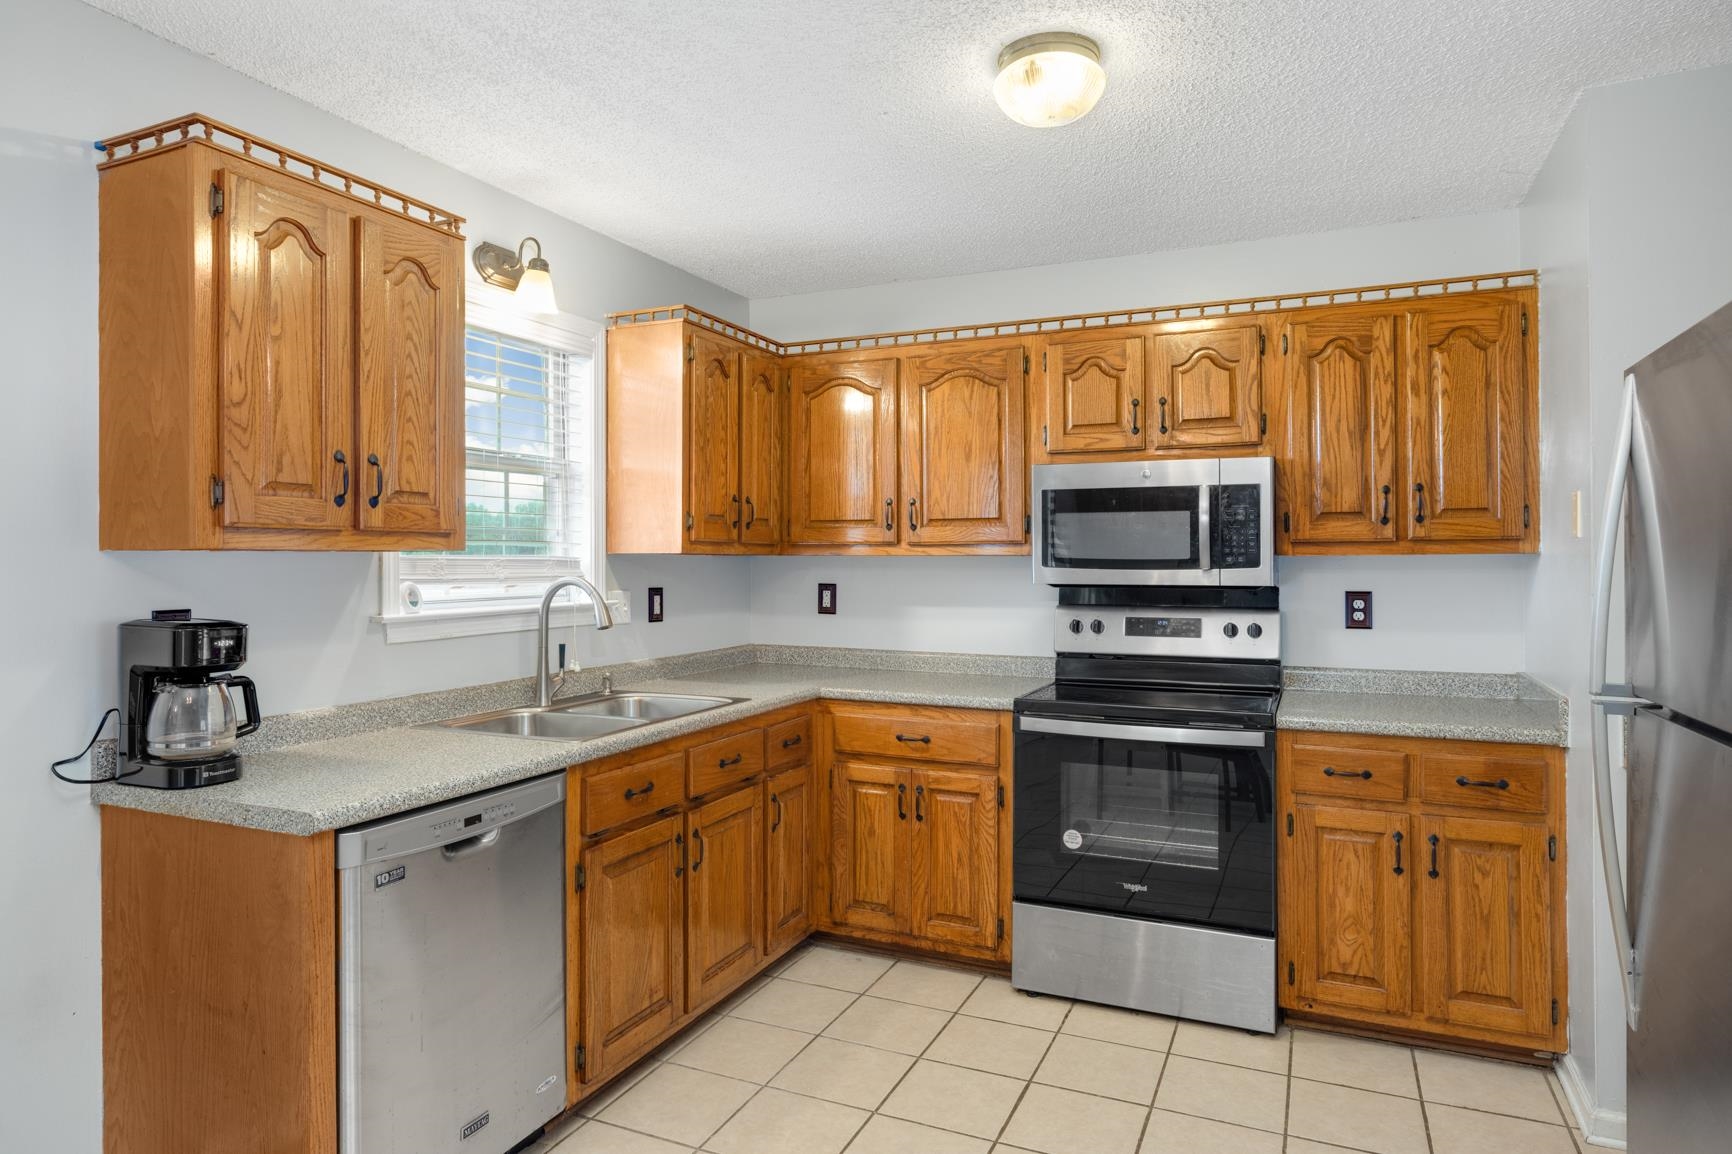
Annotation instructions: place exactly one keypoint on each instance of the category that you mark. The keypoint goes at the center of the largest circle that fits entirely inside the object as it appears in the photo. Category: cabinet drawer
(965, 741)
(1348, 768)
(616, 796)
(725, 761)
(788, 743)
(1510, 783)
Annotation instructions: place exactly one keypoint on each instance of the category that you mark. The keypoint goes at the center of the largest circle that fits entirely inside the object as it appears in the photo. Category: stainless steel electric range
(1144, 856)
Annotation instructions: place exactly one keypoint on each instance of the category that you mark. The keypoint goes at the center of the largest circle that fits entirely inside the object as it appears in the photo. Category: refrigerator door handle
(1609, 700)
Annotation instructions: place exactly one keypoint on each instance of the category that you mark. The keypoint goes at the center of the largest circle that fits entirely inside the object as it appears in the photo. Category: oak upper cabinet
(1468, 421)
(1092, 392)
(964, 469)
(1347, 909)
(1206, 386)
(842, 451)
(789, 842)
(713, 435)
(954, 885)
(725, 895)
(1339, 474)
(761, 395)
(281, 359)
(869, 846)
(1484, 925)
(634, 975)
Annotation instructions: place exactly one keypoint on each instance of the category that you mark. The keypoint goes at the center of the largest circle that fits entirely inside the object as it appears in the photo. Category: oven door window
(1175, 832)
(1148, 527)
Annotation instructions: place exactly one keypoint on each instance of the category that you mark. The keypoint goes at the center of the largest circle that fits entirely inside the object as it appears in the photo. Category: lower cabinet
(954, 884)
(790, 818)
(724, 895)
(1422, 887)
(634, 975)
(870, 870)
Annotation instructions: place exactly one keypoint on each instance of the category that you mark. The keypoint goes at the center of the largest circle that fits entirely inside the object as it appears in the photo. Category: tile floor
(841, 1050)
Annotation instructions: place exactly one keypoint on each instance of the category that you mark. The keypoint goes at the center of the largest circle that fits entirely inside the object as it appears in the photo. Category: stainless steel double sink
(585, 717)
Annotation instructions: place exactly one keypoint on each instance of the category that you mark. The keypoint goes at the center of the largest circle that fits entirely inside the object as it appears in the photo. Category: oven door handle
(1238, 738)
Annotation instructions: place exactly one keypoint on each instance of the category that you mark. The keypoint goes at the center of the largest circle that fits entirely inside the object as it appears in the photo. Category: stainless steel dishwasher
(451, 974)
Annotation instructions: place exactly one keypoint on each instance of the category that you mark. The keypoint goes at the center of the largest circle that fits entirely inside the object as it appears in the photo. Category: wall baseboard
(1600, 1127)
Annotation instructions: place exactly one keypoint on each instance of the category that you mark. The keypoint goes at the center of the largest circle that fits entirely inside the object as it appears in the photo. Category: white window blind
(528, 473)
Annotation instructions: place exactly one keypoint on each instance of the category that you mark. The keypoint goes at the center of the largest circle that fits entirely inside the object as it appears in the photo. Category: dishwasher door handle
(470, 845)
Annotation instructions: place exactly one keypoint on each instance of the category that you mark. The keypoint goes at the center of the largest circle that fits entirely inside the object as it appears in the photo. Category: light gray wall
(1632, 223)
(68, 75)
(1430, 613)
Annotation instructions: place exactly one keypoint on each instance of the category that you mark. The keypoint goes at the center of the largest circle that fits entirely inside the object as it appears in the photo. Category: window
(530, 475)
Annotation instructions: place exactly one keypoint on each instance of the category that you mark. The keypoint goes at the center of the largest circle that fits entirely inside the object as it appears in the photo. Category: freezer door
(1680, 1054)
(1679, 588)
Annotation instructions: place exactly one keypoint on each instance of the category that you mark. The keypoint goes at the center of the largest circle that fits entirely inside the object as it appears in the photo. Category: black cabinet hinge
(1263, 424)
(216, 200)
(1552, 848)
(1025, 360)
(1554, 1011)
(1001, 935)
(1525, 333)
(1283, 344)
(216, 491)
(1290, 974)
(1527, 517)
(691, 351)
(1261, 344)
(1289, 825)
(579, 878)
(1043, 360)
(688, 521)
(1286, 523)
(578, 1057)
(1027, 522)
(1001, 796)
(1043, 436)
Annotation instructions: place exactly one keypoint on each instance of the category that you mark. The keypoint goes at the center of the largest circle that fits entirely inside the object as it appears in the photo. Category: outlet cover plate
(655, 603)
(1359, 610)
(827, 597)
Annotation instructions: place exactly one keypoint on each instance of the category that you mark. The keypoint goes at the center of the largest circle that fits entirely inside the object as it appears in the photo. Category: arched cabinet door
(1341, 388)
(762, 388)
(842, 452)
(1092, 392)
(964, 469)
(1206, 386)
(713, 441)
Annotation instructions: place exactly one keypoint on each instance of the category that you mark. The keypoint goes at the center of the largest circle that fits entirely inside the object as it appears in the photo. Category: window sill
(439, 624)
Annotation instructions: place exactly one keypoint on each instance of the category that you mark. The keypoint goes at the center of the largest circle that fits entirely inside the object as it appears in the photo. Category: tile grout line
(1029, 1081)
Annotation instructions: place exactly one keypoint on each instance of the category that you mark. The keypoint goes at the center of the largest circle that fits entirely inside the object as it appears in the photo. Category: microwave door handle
(1238, 738)
(1205, 494)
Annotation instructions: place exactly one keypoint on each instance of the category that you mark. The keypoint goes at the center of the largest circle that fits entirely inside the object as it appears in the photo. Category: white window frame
(492, 308)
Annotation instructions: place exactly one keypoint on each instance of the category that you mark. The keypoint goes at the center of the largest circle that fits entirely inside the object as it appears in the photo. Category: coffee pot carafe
(178, 720)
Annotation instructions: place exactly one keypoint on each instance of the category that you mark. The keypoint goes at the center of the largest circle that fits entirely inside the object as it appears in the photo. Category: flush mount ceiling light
(529, 279)
(1049, 79)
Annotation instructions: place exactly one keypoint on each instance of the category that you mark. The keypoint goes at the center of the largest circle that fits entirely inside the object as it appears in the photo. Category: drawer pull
(1331, 771)
(1500, 783)
(791, 742)
(727, 761)
(1397, 836)
(903, 737)
(644, 792)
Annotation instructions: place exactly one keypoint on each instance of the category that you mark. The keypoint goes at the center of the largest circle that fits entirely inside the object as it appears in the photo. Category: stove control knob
(1076, 625)
(1230, 629)
(1097, 626)
(1253, 631)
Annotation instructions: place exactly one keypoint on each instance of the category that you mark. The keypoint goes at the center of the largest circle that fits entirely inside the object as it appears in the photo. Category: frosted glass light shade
(1049, 79)
(535, 289)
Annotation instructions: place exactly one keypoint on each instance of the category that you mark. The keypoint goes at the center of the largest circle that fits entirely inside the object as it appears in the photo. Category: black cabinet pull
(698, 840)
(751, 513)
(1433, 840)
(378, 480)
(901, 813)
(919, 808)
(644, 792)
(1500, 783)
(777, 802)
(1384, 520)
(727, 761)
(912, 740)
(1163, 403)
(1419, 488)
(680, 840)
(1136, 406)
(889, 514)
(342, 498)
(1397, 836)
(736, 500)
(1331, 771)
(791, 742)
(912, 527)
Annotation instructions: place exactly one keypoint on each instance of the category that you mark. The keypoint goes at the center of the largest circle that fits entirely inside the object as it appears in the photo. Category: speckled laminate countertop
(1461, 706)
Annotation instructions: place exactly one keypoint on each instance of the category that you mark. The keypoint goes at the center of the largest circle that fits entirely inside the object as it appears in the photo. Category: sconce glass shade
(535, 289)
(1049, 79)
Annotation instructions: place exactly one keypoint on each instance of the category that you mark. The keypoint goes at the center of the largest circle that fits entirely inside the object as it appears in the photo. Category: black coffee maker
(177, 721)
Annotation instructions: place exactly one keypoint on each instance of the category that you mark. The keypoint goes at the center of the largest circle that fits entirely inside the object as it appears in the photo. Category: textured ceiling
(787, 146)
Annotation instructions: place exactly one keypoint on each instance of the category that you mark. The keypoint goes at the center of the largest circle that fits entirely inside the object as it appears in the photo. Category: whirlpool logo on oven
(1135, 887)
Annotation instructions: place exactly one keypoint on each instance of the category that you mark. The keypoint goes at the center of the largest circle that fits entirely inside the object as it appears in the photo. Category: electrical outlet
(655, 603)
(1359, 610)
(826, 597)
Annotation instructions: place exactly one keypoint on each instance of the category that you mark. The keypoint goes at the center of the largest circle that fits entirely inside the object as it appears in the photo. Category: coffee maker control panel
(202, 645)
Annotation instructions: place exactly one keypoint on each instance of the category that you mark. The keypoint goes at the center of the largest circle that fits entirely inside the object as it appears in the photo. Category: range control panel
(1245, 634)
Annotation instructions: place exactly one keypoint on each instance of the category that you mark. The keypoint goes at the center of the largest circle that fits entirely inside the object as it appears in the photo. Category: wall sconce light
(529, 279)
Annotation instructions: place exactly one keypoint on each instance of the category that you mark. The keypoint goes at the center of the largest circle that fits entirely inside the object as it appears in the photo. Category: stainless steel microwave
(1198, 522)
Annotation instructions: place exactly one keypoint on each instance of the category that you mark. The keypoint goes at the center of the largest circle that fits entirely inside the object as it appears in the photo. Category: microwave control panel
(1239, 519)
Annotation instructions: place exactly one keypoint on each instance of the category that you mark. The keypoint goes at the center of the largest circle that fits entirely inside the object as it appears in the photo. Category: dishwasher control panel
(449, 822)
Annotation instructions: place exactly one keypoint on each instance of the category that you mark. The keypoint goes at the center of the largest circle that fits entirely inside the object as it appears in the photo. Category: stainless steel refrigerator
(1671, 494)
